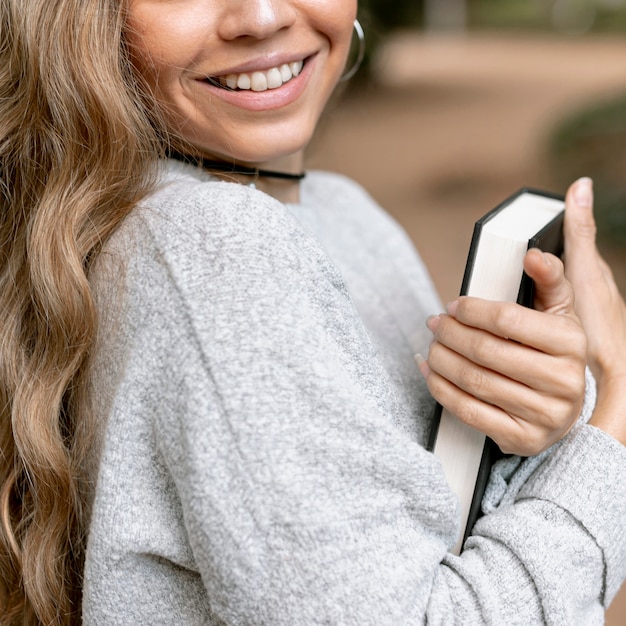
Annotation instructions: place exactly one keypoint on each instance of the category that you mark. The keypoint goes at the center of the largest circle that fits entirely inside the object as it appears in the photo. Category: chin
(254, 145)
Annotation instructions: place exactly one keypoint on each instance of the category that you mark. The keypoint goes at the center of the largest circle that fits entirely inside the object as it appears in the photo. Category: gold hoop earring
(358, 29)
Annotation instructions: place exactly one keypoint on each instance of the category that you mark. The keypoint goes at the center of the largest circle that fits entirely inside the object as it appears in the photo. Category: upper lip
(259, 65)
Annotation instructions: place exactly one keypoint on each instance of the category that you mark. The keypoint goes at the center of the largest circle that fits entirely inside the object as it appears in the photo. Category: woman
(207, 362)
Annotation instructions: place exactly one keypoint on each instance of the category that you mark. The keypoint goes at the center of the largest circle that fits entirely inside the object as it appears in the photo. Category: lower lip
(268, 99)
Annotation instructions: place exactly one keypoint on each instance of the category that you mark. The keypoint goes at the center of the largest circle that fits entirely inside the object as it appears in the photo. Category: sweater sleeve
(251, 457)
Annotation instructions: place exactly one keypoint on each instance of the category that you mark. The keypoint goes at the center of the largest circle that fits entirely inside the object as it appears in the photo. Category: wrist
(610, 412)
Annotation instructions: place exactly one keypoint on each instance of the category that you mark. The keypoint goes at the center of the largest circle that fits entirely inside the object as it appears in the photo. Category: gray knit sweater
(261, 427)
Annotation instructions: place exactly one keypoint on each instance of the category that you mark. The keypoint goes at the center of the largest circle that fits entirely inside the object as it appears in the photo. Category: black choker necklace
(232, 168)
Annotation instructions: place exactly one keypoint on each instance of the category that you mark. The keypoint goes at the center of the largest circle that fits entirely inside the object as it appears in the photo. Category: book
(494, 270)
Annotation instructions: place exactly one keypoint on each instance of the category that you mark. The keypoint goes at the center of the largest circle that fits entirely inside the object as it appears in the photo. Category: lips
(258, 81)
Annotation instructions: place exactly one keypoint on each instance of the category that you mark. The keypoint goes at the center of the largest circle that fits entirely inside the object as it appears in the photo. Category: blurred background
(462, 102)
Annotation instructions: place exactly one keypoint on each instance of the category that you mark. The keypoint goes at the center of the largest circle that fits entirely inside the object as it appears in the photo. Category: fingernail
(432, 322)
(583, 193)
(422, 365)
(451, 307)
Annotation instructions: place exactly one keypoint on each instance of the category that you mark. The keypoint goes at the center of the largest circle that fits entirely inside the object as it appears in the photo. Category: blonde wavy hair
(77, 145)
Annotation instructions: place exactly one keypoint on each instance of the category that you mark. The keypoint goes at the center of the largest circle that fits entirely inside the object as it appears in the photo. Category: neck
(285, 190)
(282, 190)
(279, 178)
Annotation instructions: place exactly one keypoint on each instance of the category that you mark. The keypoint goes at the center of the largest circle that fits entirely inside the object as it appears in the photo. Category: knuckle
(437, 387)
(577, 392)
(474, 380)
(555, 417)
(536, 443)
(530, 442)
(579, 346)
(487, 350)
(558, 264)
(585, 229)
(507, 319)
(435, 354)
(506, 448)
(525, 438)
(576, 342)
(510, 442)
(572, 380)
(467, 411)
(445, 328)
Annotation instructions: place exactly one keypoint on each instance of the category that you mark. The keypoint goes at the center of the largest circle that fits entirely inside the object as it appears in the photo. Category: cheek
(147, 58)
(159, 42)
(335, 18)
(341, 31)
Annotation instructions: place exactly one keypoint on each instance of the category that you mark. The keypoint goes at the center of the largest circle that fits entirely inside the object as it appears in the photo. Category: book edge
(484, 471)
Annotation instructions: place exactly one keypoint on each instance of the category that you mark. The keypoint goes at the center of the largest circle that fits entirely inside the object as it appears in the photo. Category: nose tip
(258, 19)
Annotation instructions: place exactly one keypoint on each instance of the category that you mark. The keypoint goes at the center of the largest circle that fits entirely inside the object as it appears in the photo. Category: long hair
(77, 145)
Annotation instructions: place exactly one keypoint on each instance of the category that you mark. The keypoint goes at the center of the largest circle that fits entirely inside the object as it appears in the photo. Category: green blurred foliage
(593, 143)
(387, 15)
(537, 15)
(518, 14)
(540, 15)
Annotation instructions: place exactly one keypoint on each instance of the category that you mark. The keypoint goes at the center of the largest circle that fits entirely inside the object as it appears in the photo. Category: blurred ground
(452, 126)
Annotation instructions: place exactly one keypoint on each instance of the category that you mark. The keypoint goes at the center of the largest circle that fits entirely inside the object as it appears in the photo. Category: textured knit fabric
(261, 431)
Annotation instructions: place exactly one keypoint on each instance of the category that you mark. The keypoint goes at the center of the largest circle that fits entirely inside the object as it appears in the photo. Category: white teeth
(243, 81)
(274, 78)
(262, 81)
(258, 81)
(285, 73)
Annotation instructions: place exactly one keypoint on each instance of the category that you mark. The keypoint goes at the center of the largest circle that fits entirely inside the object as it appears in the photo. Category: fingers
(518, 374)
(550, 334)
(480, 362)
(514, 373)
(553, 293)
(508, 392)
(515, 429)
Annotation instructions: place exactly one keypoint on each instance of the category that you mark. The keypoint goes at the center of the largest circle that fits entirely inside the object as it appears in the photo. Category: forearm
(364, 556)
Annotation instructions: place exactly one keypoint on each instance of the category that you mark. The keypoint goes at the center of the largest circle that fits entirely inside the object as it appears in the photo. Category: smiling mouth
(273, 78)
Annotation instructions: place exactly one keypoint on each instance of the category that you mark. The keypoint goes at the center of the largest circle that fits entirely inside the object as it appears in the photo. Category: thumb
(579, 228)
(553, 293)
(598, 302)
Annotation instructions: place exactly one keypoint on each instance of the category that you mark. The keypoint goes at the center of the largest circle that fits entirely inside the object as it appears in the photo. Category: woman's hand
(600, 307)
(516, 374)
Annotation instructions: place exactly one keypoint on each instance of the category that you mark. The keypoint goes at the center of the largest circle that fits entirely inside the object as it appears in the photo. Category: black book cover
(548, 239)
